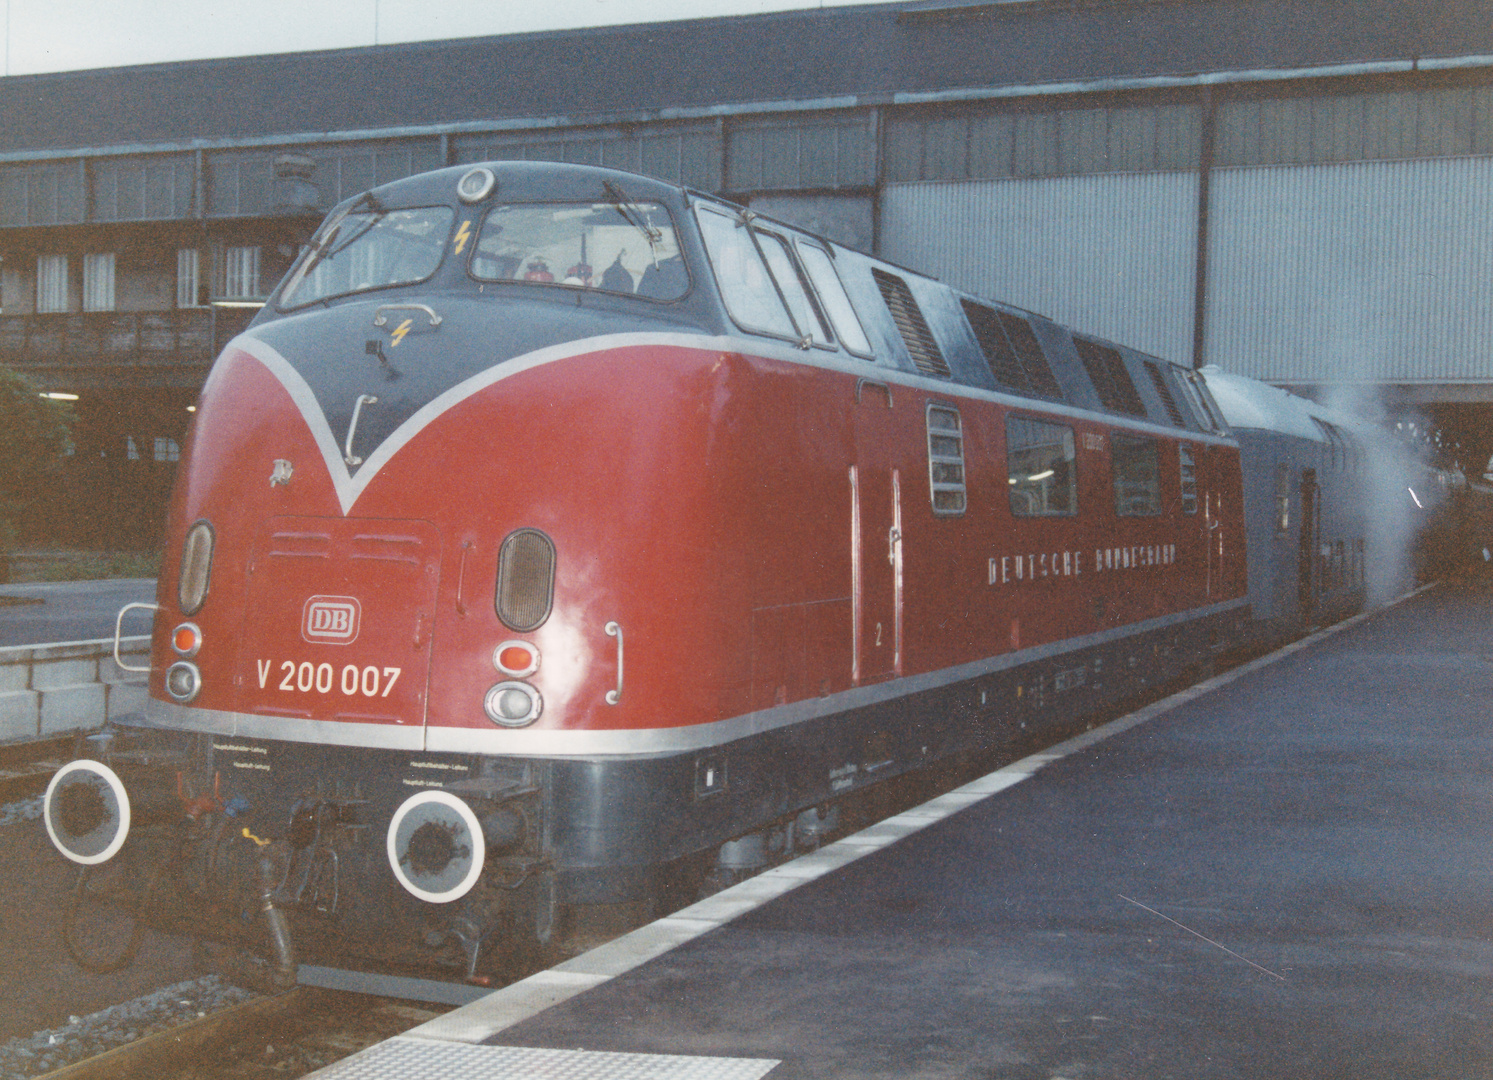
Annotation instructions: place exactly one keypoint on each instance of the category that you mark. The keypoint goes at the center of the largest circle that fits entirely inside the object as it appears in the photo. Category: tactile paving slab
(402, 1058)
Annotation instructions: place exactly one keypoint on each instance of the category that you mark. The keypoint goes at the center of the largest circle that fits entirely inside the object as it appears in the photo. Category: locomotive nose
(87, 812)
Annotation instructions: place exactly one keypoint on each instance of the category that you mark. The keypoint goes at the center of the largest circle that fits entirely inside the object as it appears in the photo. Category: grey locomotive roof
(835, 56)
(1250, 404)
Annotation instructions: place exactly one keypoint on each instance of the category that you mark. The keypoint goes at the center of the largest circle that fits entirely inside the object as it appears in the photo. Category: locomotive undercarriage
(287, 872)
(280, 850)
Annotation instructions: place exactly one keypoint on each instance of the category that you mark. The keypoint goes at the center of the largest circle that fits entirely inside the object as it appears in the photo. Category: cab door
(875, 538)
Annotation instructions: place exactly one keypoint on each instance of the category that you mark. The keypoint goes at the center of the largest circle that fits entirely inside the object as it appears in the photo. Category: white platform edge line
(502, 1009)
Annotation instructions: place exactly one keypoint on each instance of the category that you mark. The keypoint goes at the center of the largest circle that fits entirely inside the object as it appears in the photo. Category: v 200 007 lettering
(370, 681)
(598, 537)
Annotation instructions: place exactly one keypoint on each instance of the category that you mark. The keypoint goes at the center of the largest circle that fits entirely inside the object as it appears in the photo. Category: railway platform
(1285, 872)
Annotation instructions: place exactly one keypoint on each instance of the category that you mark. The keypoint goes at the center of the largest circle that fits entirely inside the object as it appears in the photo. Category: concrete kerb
(61, 687)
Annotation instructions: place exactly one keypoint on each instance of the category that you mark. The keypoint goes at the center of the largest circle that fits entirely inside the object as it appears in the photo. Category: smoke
(1400, 493)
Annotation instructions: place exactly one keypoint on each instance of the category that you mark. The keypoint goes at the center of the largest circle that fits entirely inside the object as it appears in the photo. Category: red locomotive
(494, 605)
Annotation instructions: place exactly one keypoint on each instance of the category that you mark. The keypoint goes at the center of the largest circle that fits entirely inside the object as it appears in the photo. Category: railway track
(281, 1036)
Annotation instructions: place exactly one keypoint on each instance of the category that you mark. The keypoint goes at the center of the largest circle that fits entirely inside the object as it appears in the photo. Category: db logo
(332, 620)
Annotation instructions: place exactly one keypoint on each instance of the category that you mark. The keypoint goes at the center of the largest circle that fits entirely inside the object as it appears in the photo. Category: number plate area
(338, 620)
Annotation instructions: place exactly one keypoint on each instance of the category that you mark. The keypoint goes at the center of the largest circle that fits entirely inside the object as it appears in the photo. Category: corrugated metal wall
(1021, 141)
(1436, 122)
(1112, 255)
(1372, 270)
(825, 152)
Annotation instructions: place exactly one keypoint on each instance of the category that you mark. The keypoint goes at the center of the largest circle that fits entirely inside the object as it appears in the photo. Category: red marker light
(186, 639)
(516, 658)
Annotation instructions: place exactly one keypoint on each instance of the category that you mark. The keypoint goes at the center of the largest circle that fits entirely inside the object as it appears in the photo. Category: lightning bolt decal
(463, 234)
(399, 331)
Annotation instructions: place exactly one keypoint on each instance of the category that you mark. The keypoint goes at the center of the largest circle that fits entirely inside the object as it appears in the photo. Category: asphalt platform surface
(1288, 876)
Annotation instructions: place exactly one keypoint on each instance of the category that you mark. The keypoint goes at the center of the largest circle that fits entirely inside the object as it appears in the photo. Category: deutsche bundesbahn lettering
(1008, 569)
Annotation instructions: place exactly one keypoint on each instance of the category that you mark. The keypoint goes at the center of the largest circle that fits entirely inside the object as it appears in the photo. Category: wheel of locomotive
(104, 920)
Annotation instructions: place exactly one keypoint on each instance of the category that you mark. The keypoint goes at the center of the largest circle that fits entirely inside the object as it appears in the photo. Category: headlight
(513, 704)
(526, 579)
(183, 681)
(196, 568)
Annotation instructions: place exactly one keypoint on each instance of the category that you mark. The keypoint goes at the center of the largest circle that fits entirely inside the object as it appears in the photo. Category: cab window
(368, 248)
(622, 247)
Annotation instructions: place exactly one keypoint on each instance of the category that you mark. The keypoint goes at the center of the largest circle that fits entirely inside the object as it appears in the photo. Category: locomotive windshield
(621, 247)
(369, 248)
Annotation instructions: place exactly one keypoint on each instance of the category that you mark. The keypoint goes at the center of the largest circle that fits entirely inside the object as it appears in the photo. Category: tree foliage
(34, 440)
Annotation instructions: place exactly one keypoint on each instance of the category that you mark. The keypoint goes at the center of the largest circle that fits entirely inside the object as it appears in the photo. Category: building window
(98, 282)
(51, 283)
(189, 278)
(167, 449)
(13, 296)
(241, 272)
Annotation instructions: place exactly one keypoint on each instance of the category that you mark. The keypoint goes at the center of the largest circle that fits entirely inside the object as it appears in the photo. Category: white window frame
(188, 277)
(241, 273)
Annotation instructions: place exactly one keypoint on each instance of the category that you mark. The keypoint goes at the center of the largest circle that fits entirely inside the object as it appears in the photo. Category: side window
(747, 287)
(803, 308)
(1192, 384)
(1137, 476)
(1041, 477)
(1189, 472)
(834, 299)
(1336, 455)
(766, 290)
(946, 460)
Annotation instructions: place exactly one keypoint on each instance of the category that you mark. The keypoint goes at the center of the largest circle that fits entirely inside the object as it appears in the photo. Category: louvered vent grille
(946, 460)
(1029, 351)
(1004, 367)
(911, 324)
(1164, 391)
(526, 580)
(1111, 381)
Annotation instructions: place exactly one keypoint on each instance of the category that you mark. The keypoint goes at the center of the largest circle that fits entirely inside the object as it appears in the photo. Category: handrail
(380, 319)
(615, 630)
(352, 427)
(118, 628)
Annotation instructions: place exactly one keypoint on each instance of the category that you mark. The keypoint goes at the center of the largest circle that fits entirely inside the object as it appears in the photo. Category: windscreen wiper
(629, 210)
